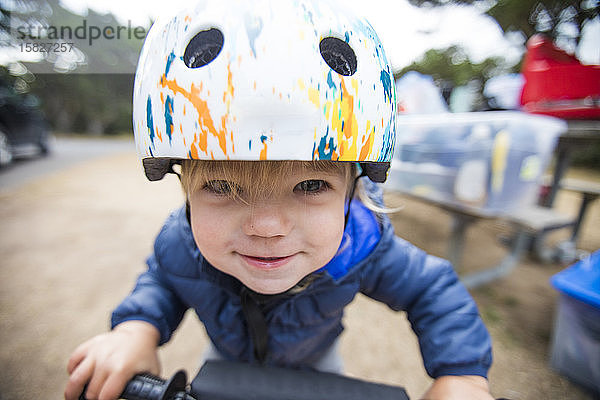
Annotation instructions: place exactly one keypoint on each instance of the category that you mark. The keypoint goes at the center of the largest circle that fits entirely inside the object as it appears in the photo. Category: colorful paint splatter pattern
(348, 132)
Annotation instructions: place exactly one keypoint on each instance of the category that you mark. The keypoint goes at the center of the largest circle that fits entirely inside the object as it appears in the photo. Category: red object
(557, 84)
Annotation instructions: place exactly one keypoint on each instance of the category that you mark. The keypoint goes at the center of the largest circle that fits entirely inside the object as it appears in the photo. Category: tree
(563, 20)
(451, 67)
(73, 98)
(86, 103)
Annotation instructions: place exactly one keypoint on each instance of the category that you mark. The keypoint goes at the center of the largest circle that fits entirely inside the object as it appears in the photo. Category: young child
(282, 116)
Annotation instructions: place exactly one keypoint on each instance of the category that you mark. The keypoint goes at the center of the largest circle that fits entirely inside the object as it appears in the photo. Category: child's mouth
(266, 262)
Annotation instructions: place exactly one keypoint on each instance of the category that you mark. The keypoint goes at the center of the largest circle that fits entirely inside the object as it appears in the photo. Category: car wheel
(6, 155)
(44, 145)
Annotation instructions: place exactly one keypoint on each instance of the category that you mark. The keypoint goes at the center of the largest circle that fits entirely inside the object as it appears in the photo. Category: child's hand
(459, 388)
(108, 361)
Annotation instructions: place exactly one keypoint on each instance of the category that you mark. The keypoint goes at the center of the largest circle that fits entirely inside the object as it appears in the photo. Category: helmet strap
(352, 190)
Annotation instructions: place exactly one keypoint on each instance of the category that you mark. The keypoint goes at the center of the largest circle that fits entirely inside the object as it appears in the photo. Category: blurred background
(461, 45)
(69, 179)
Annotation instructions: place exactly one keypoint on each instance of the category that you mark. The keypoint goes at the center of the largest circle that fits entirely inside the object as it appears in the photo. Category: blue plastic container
(576, 338)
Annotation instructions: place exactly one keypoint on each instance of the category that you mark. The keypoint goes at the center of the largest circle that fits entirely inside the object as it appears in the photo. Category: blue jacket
(371, 260)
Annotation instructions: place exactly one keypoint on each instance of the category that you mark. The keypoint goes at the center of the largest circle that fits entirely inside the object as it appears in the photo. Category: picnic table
(528, 224)
(530, 221)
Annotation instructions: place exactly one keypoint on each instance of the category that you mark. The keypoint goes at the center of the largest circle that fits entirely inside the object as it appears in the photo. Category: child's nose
(268, 219)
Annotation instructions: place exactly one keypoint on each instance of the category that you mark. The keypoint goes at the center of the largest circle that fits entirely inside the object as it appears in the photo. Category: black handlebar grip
(150, 387)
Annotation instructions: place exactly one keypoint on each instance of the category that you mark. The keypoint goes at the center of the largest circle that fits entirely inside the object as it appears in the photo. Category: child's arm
(445, 318)
(458, 388)
(108, 361)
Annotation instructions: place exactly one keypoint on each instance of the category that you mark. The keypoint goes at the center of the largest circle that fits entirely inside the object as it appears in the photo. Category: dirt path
(73, 242)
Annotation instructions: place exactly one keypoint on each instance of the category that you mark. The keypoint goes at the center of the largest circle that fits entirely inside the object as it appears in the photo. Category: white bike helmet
(264, 80)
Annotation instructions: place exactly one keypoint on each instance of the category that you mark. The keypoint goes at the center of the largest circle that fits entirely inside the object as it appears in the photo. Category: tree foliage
(92, 104)
(563, 20)
(73, 99)
(453, 66)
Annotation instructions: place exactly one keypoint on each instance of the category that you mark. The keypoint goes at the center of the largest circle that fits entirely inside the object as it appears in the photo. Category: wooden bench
(536, 222)
(528, 224)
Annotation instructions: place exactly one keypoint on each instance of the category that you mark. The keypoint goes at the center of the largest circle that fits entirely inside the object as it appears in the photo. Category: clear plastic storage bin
(488, 160)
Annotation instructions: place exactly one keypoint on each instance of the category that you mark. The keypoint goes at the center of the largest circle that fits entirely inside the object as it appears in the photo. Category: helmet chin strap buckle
(157, 168)
(377, 172)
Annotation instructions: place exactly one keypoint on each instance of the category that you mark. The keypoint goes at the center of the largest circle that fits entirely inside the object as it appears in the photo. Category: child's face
(274, 240)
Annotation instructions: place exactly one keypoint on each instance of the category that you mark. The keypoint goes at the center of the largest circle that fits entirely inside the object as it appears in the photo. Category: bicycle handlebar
(150, 387)
(228, 380)
(236, 381)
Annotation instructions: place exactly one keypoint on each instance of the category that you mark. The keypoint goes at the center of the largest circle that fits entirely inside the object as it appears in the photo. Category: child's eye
(311, 186)
(221, 188)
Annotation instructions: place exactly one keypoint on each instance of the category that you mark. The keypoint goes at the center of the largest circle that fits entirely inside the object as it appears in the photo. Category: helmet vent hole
(338, 55)
(203, 48)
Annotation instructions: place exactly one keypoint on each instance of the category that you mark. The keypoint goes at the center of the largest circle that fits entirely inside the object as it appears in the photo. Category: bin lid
(581, 280)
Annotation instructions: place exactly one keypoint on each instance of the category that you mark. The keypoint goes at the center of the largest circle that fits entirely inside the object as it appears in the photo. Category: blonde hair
(257, 177)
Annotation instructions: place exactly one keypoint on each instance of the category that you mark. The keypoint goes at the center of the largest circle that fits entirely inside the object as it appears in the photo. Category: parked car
(23, 128)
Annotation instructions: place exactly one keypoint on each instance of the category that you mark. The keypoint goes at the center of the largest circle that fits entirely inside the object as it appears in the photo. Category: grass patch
(490, 315)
